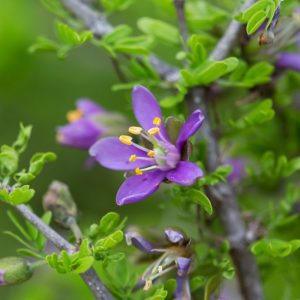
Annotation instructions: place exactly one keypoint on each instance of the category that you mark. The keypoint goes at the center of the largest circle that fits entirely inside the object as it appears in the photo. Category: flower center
(162, 154)
(74, 115)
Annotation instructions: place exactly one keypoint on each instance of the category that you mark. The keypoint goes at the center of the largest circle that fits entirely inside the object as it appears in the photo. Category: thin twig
(90, 277)
(179, 7)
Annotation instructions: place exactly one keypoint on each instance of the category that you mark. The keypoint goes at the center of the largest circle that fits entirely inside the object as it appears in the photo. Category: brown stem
(90, 277)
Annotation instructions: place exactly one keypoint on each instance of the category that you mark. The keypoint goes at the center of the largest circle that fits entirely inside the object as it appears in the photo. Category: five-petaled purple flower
(175, 255)
(161, 158)
(87, 124)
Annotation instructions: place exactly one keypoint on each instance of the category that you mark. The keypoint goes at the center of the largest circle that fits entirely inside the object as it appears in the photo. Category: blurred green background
(39, 89)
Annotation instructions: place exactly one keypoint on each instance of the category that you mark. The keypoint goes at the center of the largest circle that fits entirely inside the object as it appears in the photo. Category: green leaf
(275, 247)
(56, 8)
(70, 36)
(259, 113)
(37, 163)
(134, 45)
(27, 252)
(15, 221)
(22, 140)
(18, 196)
(109, 242)
(219, 175)
(19, 239)
(41, 239)
(118, 33)
(116, 5)
(291, 167)
(200, 198)
(109, 222)
(159, 30)
(209, 71)
(255, 21)
(160, 294)
(204, 15)
(213, 284)
(43, 44)
(9, 160)
(197, 282)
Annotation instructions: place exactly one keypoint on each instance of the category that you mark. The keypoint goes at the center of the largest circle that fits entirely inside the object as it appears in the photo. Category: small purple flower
(238, 169)
(175, 255)
(82, 131)
(161, 158)
(289, 61)
(87, 124)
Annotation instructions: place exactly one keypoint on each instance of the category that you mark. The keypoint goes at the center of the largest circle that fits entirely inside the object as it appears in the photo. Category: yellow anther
(125, 139)
(148, 285)
(157, 121)
(153, 131)
(135, 130)
(160, 269)
(132, 158)
(74, 115)
(138, 171)
(151, 153)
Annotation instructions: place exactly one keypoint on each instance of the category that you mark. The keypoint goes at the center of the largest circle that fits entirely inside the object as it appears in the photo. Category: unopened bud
(14, 270)
(59, 201)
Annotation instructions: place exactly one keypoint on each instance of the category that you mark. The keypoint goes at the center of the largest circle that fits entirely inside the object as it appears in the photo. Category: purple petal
(238, 169)
(182, 289)
(88, 107)
(112, 154)
(2, 282)
(139, 187)
(183, 265)
(146, 108)
(135, 239)
(185, 173)
(289, 61)
(190, 127)
(79, 134)
(174, 236)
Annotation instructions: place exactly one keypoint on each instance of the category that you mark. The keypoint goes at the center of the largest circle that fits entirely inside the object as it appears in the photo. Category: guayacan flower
(176, 255)
(162, 157)
(88, 123)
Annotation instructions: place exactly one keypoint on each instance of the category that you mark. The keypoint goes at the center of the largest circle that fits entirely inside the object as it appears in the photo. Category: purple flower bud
(173, 236)
(14, 270)
(135, 239)
(289, 61)
(59, 201)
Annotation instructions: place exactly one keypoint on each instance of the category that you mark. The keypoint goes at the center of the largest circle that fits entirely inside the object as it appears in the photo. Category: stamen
(135, 130)
(153, 131)
(151, 153)
(74, 115)
(125, 139)
(132, 158)
(160, 269)
(138, 171)
(148, 285)
(157, 121)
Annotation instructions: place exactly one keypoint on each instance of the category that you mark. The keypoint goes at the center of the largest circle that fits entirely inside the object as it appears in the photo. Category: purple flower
(87, 124)
(238, 169)
(161, 158)
(175, 255)
(289, 61)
